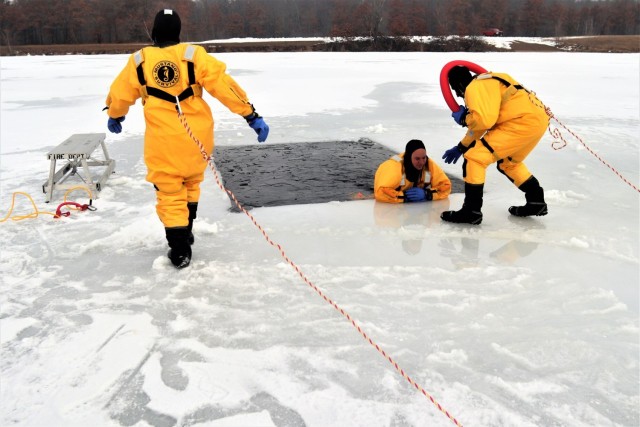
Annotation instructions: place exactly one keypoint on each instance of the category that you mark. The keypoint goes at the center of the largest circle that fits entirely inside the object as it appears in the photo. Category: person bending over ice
(505, 122)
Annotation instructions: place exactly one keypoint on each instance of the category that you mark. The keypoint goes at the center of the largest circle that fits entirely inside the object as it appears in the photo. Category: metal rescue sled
(77, 151)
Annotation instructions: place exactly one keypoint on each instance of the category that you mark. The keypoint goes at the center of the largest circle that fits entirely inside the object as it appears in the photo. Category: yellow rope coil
(36, 212)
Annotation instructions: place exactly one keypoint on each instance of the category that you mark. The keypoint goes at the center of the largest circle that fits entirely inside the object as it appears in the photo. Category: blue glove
(114, 124)
(257, 123)
(417, 194)
(452, 155)
(460, 116)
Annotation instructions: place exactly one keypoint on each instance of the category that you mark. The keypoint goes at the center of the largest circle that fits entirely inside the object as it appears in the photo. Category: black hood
(459, 79)
(166, 28)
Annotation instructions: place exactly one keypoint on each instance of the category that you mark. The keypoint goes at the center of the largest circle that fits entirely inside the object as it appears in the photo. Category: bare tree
(98, 21)
(532, 16)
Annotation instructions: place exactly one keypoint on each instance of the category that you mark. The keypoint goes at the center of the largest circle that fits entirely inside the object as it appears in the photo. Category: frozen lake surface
(528, 322)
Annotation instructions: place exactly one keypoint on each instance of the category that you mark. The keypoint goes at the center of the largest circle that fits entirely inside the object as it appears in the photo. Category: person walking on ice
(169, 77)
(505, 122)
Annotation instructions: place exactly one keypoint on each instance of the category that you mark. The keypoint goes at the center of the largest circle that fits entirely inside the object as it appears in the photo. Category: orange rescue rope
(304, 277)
(557, 135)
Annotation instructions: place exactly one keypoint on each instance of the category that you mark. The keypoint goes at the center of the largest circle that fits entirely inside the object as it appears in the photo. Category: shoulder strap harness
(194, 89)
(511, 88)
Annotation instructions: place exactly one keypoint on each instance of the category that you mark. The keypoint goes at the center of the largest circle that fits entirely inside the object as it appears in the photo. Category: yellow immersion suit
(505, 122)
(174, 163)
(390, 180)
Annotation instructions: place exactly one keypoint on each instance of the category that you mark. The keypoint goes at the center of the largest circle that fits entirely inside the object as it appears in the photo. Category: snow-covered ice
(528, 322)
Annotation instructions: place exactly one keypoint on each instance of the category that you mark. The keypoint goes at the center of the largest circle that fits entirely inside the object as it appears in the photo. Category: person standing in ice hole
(171, 75)
(505, 122)
(411, 177)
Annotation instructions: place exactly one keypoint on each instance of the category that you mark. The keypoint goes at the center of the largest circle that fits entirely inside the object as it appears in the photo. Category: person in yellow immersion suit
(410, 177)
(505, 122)
(169, 77)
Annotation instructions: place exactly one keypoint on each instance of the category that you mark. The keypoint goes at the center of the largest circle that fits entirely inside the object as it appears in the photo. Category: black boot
(180, 249)
(534, 194)
(470, 212)
(193, 208)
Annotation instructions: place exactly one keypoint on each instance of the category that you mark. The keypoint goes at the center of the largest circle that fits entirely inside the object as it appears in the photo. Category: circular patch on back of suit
(166, 74)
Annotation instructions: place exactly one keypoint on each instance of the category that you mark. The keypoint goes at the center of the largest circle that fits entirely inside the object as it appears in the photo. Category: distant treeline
(37, 22)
